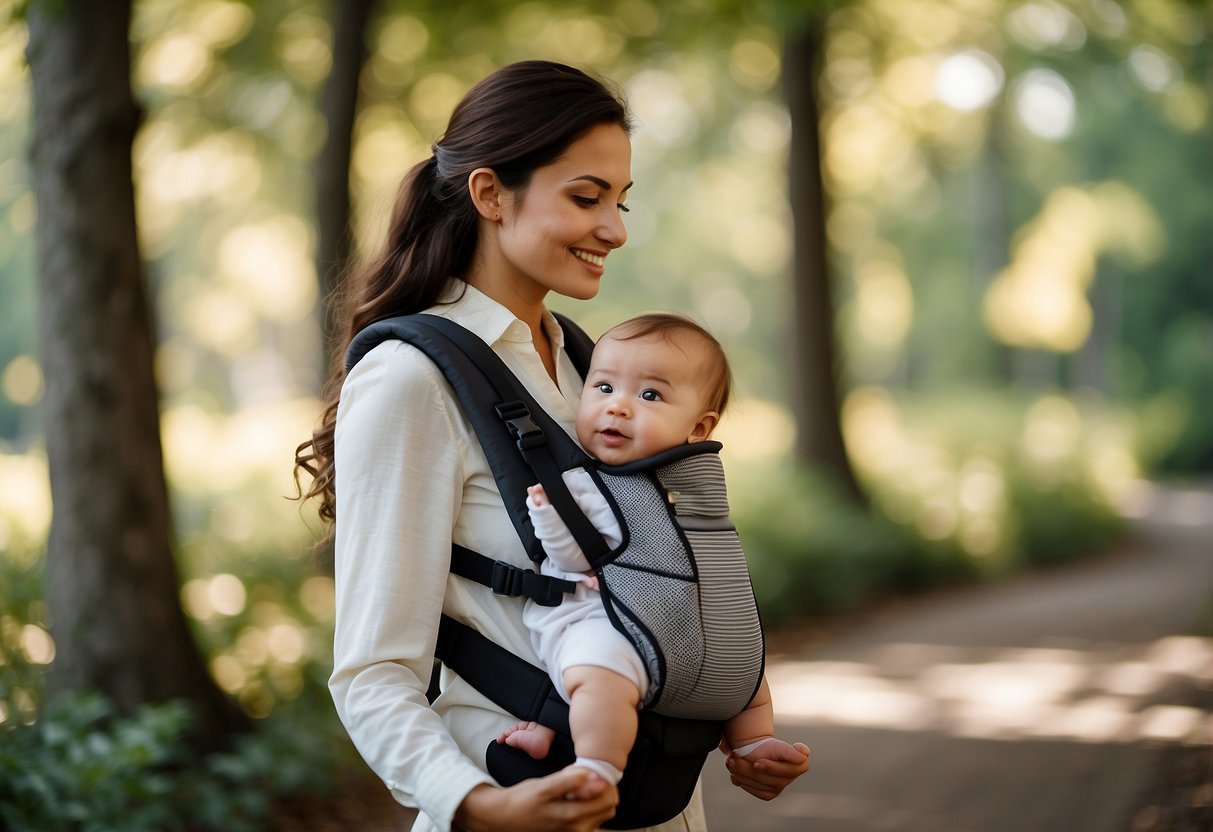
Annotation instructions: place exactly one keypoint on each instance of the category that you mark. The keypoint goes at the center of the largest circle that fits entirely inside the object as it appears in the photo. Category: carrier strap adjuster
(522, 427)
(510, 580)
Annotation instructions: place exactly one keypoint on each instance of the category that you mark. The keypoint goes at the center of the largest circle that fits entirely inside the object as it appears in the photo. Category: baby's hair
(669, 325)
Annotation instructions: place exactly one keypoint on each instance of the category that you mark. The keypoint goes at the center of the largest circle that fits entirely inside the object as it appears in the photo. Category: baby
(655, 382)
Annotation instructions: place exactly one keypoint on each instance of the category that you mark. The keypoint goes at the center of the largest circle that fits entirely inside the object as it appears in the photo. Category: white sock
(602, 768)
(746, 750)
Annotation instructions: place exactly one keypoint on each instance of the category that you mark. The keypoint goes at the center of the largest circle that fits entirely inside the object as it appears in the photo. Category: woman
(524, 195)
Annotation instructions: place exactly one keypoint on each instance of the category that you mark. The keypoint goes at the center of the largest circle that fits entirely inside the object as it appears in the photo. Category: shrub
(82, 767)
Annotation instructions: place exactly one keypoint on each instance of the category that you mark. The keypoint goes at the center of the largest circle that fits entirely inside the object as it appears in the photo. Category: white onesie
(578, 631)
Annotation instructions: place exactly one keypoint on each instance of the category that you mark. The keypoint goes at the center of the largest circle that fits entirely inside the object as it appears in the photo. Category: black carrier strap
(504, 416)
(530, 694)
(507, 579)
(523, 444)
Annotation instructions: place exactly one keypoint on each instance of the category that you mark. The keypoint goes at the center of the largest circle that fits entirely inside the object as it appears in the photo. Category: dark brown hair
(715, 368)
(515, 120)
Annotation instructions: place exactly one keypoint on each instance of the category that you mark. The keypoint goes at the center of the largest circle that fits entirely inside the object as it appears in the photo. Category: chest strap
(507, 579)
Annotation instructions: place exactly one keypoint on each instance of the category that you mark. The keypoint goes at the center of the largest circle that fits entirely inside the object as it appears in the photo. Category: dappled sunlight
(219, 453)
(1040, 300)
(1052, 437)
(180, 60)
(1098, 694)
(755, 62)
(266, 263)
(952, 478)
(176, 171)
(21, 381)
(25, 504)
(399, 41)
(177, 62)
(37, 644)
(1188, 507)
(1044, 24)
(884, 300)
(387, 146)
(302, 45)
(260, 651)
(664, 115)
(969, 79)
(754, 429)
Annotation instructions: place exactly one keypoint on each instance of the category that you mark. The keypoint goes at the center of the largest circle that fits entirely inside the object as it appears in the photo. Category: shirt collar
(477, 312)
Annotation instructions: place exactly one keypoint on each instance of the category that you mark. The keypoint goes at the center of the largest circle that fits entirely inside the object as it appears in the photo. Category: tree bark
(111, 580)
(816, 400)
(339, 106)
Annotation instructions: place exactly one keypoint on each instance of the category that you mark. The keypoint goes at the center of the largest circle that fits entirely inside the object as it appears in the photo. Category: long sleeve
(557, 540)
(411, 479)
(399, 488)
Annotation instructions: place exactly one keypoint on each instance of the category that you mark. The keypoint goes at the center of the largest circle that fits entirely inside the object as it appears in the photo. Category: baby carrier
(676, 586)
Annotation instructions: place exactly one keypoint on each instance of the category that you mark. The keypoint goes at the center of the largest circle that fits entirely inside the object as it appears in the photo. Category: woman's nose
(612, 231)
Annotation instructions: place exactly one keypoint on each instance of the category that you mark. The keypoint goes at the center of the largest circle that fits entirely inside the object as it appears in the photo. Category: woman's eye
(651, 396)
(585, 201)
(625, 209)
(603, 387)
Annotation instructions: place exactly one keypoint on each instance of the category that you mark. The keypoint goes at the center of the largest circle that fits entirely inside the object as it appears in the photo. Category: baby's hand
(538, 496)
(591, 581)
(769, 769)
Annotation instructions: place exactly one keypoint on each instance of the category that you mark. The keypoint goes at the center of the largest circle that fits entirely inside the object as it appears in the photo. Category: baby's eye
(603, 387)
(651, 396)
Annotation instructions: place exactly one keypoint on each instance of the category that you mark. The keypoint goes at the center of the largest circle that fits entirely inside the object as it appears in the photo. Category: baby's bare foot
(531, 737)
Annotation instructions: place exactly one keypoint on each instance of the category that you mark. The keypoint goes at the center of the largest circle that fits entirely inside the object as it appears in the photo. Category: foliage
(811, 551)
(22, 617)
(964, 487)
(83, 767)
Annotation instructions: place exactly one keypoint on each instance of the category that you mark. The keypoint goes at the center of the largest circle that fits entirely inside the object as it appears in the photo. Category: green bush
(21, 607)
(80, 767)
(963, 485)
(810, 551)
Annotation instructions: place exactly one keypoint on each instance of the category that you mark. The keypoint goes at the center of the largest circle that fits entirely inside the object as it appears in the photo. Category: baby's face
(641, 396)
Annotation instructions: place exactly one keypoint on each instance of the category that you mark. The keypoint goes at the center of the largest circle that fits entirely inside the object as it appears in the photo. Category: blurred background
(1013, 250)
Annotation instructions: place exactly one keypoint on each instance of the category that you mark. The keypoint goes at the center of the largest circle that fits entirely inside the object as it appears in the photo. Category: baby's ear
(704, 427)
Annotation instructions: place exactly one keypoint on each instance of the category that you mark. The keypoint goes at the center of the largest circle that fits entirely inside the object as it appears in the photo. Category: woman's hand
(766, 778)
(571, 800)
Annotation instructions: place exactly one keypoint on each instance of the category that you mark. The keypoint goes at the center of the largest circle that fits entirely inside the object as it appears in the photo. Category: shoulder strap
(577, 344)
(522, 443)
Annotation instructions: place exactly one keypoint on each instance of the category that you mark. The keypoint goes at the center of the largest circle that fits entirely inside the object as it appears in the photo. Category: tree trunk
(339, 106)
(815, 376)
(111, 581)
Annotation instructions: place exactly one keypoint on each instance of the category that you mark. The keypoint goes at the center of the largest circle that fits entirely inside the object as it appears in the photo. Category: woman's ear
(485, 190)
(704, 427)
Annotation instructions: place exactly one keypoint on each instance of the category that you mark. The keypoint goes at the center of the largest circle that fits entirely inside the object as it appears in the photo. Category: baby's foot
(531, 737)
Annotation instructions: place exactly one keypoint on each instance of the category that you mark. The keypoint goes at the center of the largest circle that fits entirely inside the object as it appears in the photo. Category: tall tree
(112, 586)
(339, 106)
(815, 398)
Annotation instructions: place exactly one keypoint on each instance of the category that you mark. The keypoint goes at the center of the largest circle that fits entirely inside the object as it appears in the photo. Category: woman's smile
(598, 261)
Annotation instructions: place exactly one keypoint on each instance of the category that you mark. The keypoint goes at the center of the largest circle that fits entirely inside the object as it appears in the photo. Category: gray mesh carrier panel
(680, 589)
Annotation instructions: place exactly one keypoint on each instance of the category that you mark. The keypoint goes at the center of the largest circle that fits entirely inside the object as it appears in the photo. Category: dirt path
(1043, 703)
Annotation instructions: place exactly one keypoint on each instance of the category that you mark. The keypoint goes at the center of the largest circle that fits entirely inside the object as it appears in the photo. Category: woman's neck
(526, 307)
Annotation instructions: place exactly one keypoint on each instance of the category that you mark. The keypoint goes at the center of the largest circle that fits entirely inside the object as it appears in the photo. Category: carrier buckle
(513, 581)
(506, 579)
(521, 426)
